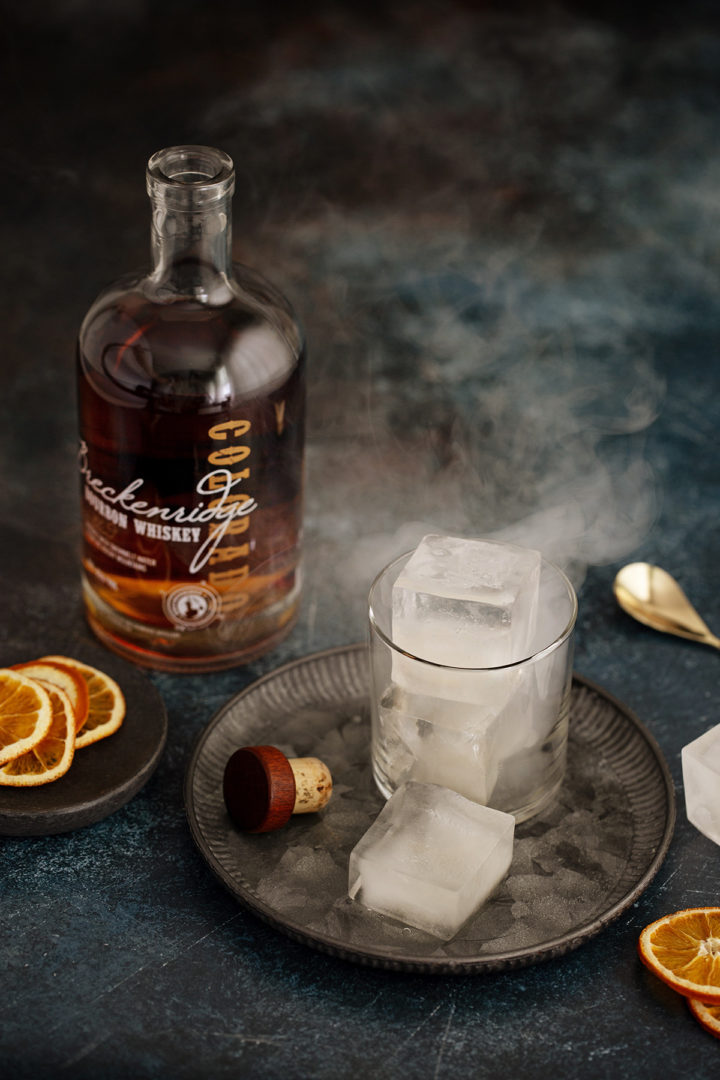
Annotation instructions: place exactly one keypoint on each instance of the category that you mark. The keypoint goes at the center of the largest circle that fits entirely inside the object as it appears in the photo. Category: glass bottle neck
(191, 252)
(191, 189)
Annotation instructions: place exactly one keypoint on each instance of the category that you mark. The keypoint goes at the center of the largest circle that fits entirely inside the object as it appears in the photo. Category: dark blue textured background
(500, 226)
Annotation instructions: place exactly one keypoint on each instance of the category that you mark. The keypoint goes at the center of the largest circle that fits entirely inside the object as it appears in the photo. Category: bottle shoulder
(132, 343)
(247, 291)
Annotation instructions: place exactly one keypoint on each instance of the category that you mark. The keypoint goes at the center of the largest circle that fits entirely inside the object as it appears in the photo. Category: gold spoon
(653, 597)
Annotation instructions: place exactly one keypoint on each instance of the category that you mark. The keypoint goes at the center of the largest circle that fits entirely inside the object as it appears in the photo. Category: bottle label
(183, 540)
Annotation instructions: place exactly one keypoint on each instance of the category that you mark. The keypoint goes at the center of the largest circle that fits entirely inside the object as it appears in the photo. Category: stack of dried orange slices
(684, 951)
(49, 708)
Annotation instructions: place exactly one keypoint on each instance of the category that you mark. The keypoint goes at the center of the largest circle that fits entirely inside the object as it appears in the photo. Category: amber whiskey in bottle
(191, 408)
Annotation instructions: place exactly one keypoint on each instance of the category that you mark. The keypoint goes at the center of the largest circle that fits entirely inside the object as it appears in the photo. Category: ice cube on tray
(431, 858)
(701, 778)
(467, 603)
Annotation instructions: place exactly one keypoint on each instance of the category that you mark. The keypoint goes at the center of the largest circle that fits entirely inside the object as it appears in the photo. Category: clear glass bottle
(191, 407)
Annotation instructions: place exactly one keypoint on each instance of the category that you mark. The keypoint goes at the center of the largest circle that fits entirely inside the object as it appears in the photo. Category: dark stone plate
(575, 867)
(103, 776)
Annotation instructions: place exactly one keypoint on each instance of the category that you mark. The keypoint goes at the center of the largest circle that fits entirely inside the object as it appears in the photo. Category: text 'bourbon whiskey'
(191, 400)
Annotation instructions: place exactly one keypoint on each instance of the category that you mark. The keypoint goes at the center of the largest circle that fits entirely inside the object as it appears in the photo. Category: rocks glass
(495, 733)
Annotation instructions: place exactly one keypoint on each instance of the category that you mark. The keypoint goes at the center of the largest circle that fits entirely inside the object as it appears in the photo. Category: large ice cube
(453, 744)
(466, 603)
(431, 858)
(701, 777)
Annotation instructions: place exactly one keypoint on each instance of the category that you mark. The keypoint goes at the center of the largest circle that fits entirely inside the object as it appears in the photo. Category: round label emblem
(190, 607)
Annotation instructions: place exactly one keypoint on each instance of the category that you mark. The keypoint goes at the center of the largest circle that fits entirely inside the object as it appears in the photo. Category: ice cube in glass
(431, 858)
(454, 744)
(701, 778)
(467, 603)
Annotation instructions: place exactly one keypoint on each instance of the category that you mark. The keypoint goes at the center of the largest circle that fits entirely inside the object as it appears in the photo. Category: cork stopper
(262, 787)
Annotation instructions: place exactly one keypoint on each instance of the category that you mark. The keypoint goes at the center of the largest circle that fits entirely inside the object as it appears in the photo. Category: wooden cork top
(262, 788)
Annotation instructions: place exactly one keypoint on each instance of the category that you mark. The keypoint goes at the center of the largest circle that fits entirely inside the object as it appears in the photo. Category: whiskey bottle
(191, 408)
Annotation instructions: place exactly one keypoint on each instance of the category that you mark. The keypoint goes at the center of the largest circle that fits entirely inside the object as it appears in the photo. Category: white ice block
(452, 744)
(701, 778)
(431, 858)
(467, 603)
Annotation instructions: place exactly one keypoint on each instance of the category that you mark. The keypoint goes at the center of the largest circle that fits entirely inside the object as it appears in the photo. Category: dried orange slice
(53, 755)
(25, 714)
(707, 1015)
(64, 677)
(684, 951)
(106, 704)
